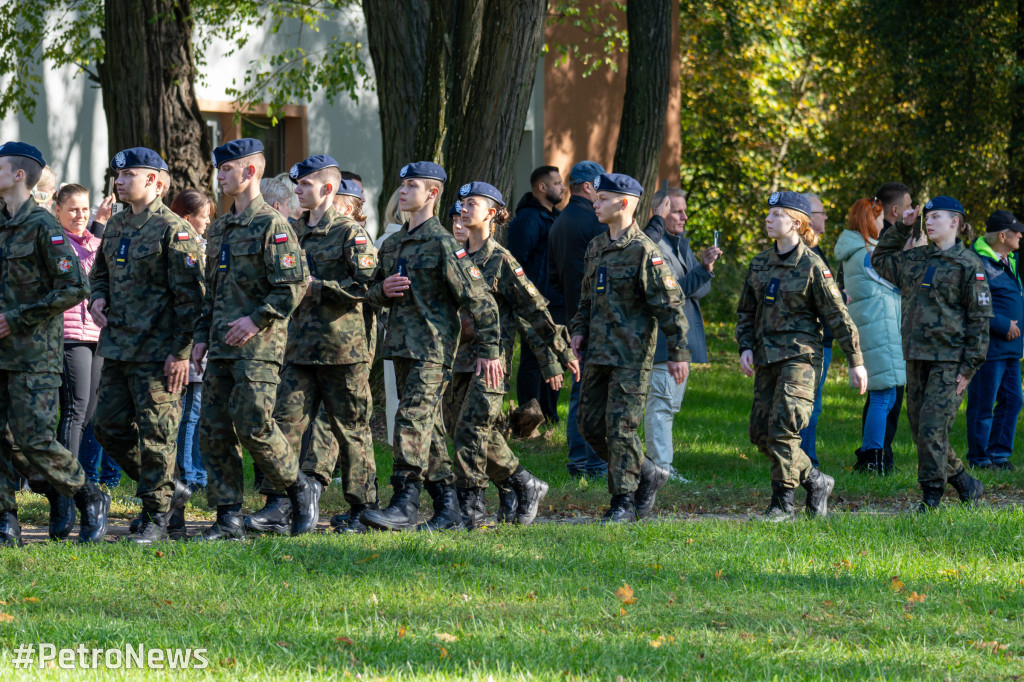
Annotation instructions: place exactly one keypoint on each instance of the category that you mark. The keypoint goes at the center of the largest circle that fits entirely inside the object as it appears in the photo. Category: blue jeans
(99, 468)
(990, 433)
(190, 462)
(582, 458)
(809, 435)
(880, 402)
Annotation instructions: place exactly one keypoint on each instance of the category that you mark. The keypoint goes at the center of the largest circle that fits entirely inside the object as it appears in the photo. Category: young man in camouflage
(628, 293)
(40, 278)
(423, 277)
(147, 291)
(327, 361)
(255, 278)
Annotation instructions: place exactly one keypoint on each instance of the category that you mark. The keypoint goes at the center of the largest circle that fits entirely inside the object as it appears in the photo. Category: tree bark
(645, 106)
(1015, 160)
(147, 78)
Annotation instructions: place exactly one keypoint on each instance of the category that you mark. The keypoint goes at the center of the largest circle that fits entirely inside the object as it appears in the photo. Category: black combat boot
(305, 497)
(652, 479)
(176, 529)
(447, 515)
(530, 490)
(62, 512)
(876, 461)
(888, 462)
(508, 502)
(228, 525)
(154, 528)
(864, 460)
(93, 505)
(352, 522)
(275, 517)
(10, 529)
(967, 487)
(818, 486)
(402, 512)
(136, 523)
(781, 506)
(473, 506)
(180, 496)
(621, 510)
(931, 496)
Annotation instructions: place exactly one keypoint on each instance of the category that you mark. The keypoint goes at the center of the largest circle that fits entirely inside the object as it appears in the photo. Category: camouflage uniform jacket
(627, 292)
(254, 267)
(424, 323)
(780, 304)
(328, 327)
(150, 273)
(946, 300)
(40, 278)
(520, 305)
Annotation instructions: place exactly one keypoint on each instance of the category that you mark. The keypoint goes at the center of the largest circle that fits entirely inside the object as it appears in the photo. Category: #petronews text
(43, 655)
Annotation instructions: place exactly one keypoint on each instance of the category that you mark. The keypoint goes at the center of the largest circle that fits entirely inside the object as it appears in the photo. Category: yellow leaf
(31, 599)
(369, 558)
(401, 631)
(444, 653)
(446, 637)
(655, 643)
(622, 611)
(896, 585)
(625, 594)
(718, 574)
(6, 617)
(916, 598)
(286, 557)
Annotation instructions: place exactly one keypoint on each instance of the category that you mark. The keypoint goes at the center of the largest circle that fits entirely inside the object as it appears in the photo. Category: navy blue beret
(455, 210)
(791, 200)
(349, 188)
(481, 189)
(423, 169)
(22, 149)
(943, 204)
(311, 165)
(619, 184)
(236, 149)
(138, 157)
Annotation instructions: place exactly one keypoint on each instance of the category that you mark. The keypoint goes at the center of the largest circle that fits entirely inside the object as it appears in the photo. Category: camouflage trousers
(610, 411)
(238, 411)
(783, 401)
(481, 453)
(932, 404)
(136, 422)
(28, 436)
(342, 394)
(421, 452)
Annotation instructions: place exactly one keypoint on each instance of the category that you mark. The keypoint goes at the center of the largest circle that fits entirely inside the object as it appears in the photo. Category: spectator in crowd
(997, 382)
(528, 244)
(875, 306)
(568, 240)
(279, 192)
(44, 189)
(664, 395)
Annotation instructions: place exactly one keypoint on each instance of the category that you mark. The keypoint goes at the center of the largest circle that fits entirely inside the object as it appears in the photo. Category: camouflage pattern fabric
(783, 402)
(481, 453)
(932, 404)
(421, 452)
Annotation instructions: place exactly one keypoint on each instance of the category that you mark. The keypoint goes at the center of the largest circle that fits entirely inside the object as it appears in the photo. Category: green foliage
(603, 23)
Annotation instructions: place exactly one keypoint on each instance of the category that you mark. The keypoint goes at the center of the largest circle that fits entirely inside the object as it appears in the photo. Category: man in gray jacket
(664, 396)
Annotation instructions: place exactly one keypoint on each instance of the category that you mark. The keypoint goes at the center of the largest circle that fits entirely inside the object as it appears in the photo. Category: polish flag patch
(56, 240)
(827, 273)
(656, 260)
(519, 272)
(280, 238)
(460, 254)
(979, 276)
(360, 241)
(183, 236)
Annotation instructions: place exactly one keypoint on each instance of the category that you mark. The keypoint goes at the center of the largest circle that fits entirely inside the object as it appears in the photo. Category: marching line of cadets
(283, 314)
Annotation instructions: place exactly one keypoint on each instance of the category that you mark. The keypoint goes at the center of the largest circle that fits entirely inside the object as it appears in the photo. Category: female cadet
(480, 451)
(786, 291)
(946, 311)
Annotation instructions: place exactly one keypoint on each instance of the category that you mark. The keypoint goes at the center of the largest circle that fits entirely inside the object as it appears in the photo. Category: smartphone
(716, 237)
(116, 207)
(916, 233)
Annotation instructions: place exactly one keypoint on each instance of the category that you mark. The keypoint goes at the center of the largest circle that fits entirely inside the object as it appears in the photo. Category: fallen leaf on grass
(531, 595)
(949, 573)
(742, 456)
(991, 647)
(227, 662)
(843, 565)
(896, 585)
(655, 643)
(6, 617)
(159, 554)
(282, 644)
(446, 637)
(31, 599)
(401, 631)
(916, 598)
(689, 541)
(625, 594)
(345, 640)
(828, 602)
(622, 611)
(286, 557)
(363, 561)
(718, 574)
(863, 552)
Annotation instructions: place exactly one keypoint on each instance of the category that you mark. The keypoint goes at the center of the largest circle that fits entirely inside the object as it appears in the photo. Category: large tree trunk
(1015, 178)
(148, 82)
(645, 106)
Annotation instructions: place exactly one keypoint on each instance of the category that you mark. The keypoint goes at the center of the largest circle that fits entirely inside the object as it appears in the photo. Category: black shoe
(818, 486)
(154, 528)
(864, 460)
(967, 487)
(447, 515)
(352, 522)
(888, 462)
(402, 511)
(10, 529)
(275, 517)
(621, 510)
(228, 526)
(652, 478)
(530, 490)
(93, 506)
(62, 513)
(1005, 465)
(876, 459)
(176, 529)
(473, 506)
(781, 506)
(180, 496)
(508, 502)
(305, 497)
(931, 496)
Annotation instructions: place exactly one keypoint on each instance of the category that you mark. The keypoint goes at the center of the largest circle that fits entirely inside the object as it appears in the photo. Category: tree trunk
(148, 83)
(645, 106)
(1015, 193)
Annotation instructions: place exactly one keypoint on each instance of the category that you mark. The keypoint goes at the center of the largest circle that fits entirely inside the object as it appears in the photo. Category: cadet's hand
(176, 371)
(554, 383)
(679, 371)
(664, 208)
(961, 384)
(1014, 330)
(198, 353)
(910, 216)
(747, 362)
(708, 257)
(104, 210)
(240, 331)
(577, 346)
(859, 378)
(395, 285)
(491, 370)
(574, 367)
(96, 310)
(5, 329)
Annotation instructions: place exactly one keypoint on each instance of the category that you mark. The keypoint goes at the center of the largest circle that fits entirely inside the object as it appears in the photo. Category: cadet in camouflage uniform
(423, 276)
(787, 291)
(327, 360)
(147, 291)
(946, 309)
(40, 278)
(255, 278)
(627, 293)
(481, 452)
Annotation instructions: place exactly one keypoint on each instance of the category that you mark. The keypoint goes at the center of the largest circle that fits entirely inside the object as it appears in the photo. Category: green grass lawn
(872, 591)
